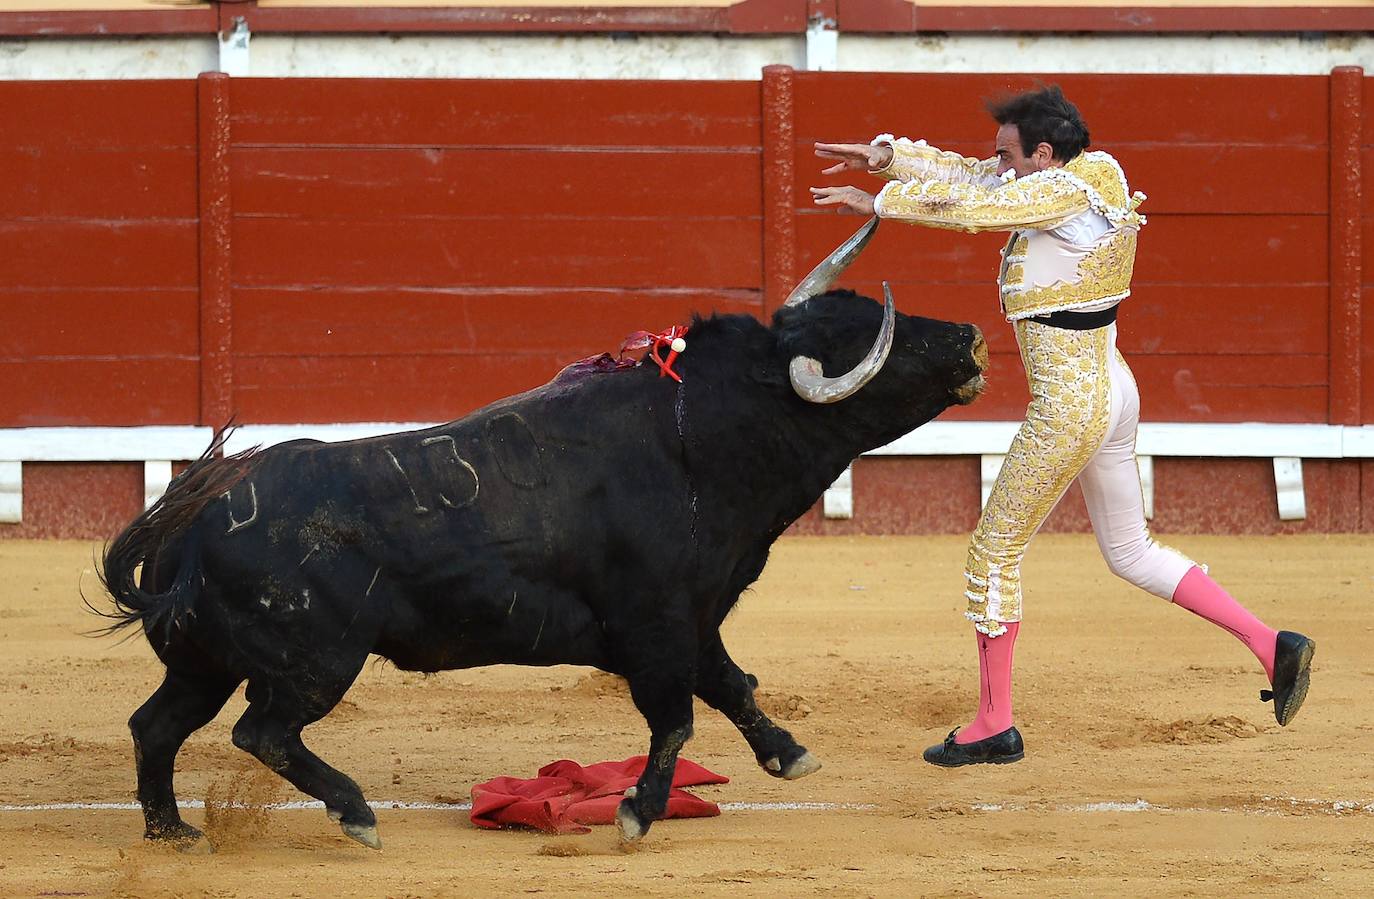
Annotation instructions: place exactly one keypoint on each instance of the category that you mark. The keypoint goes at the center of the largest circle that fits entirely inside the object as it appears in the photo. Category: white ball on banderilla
(678, 345)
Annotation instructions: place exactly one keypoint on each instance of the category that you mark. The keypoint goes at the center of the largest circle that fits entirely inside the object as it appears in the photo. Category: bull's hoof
(632, 829)
(182, 837)
(363, 833)
(201, 846)
(799, 767)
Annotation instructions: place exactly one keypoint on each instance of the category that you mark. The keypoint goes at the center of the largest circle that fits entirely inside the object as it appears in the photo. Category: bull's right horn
(814, 387)
(823, 275)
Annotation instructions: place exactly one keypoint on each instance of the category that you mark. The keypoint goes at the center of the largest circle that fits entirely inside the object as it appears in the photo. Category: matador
(1066, 267)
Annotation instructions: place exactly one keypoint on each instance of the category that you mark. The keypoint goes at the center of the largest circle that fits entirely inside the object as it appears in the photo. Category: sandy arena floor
(1152, 767)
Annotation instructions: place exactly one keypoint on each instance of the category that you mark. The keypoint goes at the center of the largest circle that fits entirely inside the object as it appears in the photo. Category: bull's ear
(810, 383)
(825, 274)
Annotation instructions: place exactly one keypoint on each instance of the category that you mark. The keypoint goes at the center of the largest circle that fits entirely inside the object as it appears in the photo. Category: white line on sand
(1268, 805)
(422, 806)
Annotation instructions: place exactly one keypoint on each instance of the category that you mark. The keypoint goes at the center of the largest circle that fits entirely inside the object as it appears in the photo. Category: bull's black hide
(610, 518)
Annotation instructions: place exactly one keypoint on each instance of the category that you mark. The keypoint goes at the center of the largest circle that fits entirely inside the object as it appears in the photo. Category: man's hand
(850, 200)
(854, 157)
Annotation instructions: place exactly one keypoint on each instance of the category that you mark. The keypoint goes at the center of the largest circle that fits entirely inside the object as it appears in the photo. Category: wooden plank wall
(409, 249)
(1228, 318)
(1367, 244)
(98, 281)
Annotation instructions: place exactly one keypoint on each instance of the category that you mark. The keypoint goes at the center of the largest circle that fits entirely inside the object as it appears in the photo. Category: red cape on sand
(565, 796)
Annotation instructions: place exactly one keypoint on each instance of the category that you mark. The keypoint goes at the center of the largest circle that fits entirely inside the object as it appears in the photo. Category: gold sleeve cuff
(919, 161)
(1035, 201)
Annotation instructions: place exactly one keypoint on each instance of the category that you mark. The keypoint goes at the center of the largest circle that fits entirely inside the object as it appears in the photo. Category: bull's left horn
(823, 275)
(814, 387)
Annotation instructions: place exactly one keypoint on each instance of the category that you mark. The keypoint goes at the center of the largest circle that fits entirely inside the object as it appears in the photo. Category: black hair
(1041, 116)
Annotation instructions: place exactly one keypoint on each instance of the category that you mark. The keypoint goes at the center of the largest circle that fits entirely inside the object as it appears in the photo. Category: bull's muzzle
(968, 391)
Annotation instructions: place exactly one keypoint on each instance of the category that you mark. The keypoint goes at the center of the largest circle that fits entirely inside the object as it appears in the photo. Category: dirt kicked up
(1152, 767)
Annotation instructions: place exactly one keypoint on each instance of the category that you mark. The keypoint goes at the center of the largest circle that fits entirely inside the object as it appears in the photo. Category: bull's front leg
(661, 673)
(724, 687)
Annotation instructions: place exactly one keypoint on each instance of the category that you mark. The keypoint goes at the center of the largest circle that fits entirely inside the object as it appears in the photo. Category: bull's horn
(823, 275)
(814, 387)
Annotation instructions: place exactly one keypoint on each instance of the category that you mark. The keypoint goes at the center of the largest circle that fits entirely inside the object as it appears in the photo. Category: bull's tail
(166, 527)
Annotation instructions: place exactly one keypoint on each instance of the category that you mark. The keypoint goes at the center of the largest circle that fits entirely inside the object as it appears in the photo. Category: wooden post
(1344, 404)
(216, 327)
(779, 184)
(1347, 86)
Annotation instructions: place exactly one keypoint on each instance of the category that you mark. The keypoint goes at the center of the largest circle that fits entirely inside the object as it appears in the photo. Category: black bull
(609, 518)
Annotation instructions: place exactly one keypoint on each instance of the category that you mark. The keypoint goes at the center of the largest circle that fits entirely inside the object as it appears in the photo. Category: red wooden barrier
(306, 250)
(216, 326)
(780, 187)
(412, 250)
(742, 17)
(437, 244)
(98, 253)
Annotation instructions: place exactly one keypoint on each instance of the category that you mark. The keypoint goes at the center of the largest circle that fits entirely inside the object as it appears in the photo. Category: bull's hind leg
(182, 705)
(271, 731)
(724, 687)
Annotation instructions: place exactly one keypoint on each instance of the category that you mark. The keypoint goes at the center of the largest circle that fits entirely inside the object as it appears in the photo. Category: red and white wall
(370, 250)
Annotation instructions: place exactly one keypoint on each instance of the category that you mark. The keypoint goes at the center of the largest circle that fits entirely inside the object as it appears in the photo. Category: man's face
(1011, 157)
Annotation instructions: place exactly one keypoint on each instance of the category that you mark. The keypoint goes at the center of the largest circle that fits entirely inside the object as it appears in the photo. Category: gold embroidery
(1105, 273)
(1030, 202)
(1100, 177)
(919, 161)
(1101, 173)
(1065, 424)
(942, 190)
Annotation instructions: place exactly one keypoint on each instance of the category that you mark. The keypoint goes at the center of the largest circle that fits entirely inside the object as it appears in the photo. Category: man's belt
(1077, 321)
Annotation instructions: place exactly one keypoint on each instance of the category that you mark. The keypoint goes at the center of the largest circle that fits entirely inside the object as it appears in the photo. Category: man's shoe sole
(1300, 684)
(1001, 760)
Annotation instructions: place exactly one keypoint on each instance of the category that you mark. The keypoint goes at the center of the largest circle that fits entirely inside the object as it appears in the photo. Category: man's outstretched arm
(899, 159)
(1039, 201)
(919, 161)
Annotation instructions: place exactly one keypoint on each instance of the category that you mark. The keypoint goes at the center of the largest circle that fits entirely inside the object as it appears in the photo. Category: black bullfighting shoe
(998, 749)
(1292, 670)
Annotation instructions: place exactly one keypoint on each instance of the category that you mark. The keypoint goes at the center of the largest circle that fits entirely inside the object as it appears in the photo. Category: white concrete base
(156, 477)
(1146, 466)
(1288, 483)
(11, 492)
(989, 467)
(158, 446)
(676, 56)
(838, 501)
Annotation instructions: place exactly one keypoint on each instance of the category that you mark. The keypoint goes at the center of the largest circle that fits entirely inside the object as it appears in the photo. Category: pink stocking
(1202, 596)
(994, 691)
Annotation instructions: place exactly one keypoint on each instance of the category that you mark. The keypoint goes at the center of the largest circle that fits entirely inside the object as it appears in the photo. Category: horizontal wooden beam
(78, 23)
(905, 16)
(746, 17)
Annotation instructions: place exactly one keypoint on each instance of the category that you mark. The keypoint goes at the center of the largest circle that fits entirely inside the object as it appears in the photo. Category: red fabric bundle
(565, 796)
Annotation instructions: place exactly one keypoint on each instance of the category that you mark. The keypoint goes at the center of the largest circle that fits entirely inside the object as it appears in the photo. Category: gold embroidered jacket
(1041, 271)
